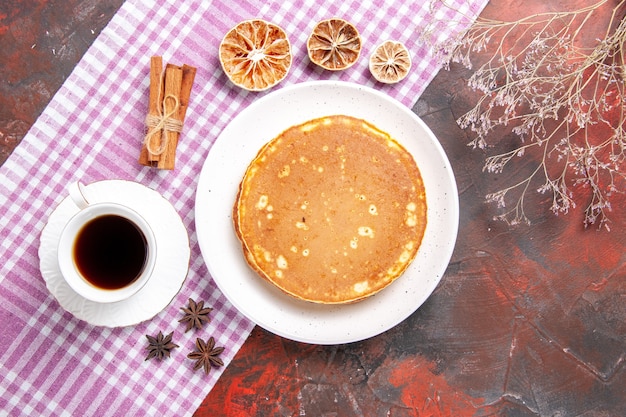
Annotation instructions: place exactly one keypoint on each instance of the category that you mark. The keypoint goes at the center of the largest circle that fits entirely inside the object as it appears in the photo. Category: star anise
(206, 355)
(160, 346)
(195, 315)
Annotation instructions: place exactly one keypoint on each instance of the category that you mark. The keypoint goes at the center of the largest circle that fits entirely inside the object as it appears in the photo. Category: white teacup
(107, 251)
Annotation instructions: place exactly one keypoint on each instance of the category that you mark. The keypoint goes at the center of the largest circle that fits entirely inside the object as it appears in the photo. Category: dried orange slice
(390, 62)
(335, 44)
(255, 54)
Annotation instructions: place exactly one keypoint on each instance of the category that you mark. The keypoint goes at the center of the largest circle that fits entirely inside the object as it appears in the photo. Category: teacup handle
(77, 194)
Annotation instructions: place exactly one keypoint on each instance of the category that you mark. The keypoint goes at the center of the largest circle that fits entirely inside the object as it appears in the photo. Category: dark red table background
(527, 321)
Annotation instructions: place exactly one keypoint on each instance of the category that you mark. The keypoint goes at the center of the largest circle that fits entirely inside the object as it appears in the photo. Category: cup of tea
(107, 251)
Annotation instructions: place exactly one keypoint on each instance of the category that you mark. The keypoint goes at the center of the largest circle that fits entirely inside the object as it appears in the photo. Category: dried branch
(563, 98)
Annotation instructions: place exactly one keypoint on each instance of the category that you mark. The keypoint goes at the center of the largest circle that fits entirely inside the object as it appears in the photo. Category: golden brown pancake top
(331, 211)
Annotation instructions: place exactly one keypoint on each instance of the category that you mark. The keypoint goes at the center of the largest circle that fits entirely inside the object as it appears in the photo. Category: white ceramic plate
(169, 273)
(263, 303)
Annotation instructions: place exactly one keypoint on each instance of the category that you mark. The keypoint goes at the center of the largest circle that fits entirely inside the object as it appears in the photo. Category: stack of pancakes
(331, 211)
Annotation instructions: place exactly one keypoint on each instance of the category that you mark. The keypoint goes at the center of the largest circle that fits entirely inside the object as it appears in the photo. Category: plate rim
(201, 215)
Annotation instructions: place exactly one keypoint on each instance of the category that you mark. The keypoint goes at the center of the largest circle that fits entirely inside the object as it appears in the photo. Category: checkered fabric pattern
(54, 364)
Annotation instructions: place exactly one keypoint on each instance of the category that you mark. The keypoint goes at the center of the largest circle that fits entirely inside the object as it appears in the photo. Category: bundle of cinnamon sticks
(170, 89)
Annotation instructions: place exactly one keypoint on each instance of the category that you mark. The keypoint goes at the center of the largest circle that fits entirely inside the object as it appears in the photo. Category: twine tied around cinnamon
(170, 90)
(162, 121)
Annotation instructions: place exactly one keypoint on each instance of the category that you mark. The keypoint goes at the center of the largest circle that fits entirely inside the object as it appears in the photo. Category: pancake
(331, 211)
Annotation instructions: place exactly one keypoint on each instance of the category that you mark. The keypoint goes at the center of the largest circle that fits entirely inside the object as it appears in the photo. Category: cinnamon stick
(171, 103)
(154, 107)
(170, 91)
(187, 74)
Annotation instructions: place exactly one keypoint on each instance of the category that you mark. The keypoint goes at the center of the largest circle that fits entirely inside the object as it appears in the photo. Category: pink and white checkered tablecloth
(54, 364)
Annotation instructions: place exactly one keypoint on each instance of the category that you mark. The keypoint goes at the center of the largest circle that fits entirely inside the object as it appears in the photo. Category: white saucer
(171, 267)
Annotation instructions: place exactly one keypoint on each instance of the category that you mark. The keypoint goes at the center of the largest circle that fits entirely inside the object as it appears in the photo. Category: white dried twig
(563, 99)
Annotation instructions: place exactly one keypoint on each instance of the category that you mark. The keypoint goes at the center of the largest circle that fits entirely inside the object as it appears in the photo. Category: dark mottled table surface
(528, 320)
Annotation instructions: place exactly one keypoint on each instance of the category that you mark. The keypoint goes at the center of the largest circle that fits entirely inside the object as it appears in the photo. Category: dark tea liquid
(110, 252)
